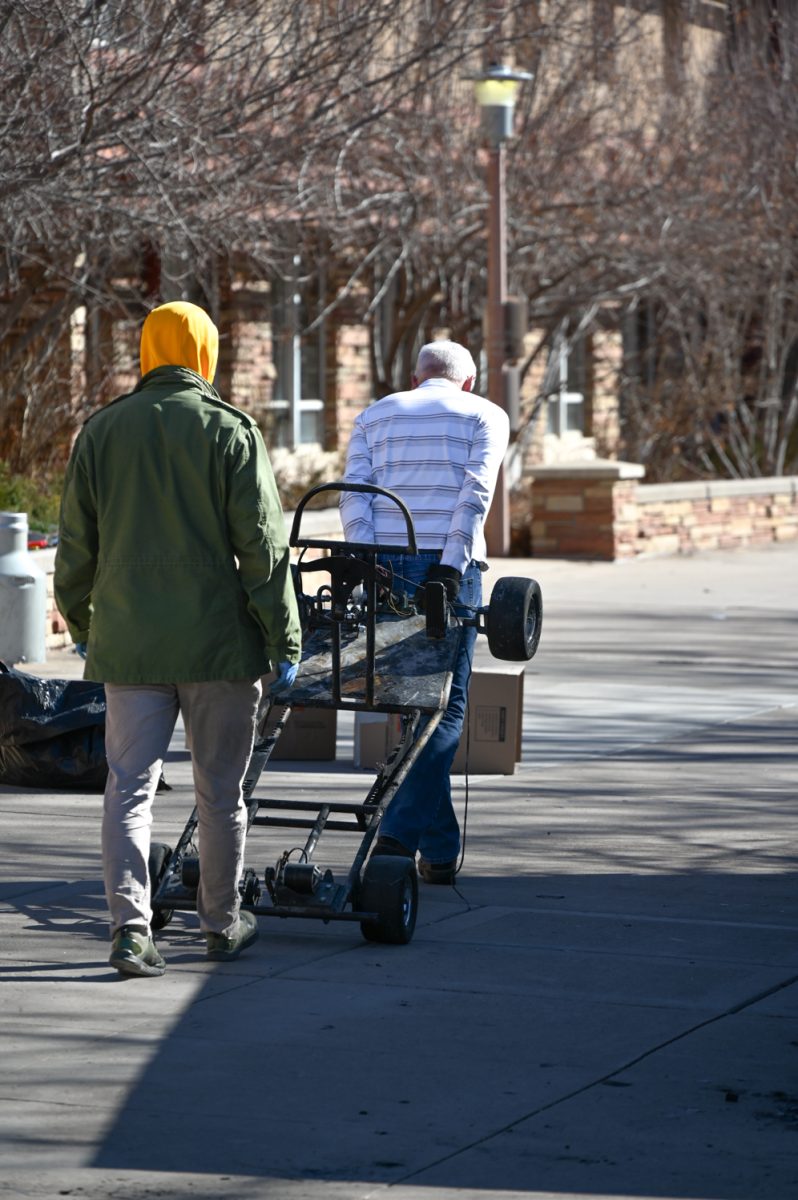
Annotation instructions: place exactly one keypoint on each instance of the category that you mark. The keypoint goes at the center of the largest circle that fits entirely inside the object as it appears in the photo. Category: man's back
(438, 448)
(173, 575)
(170, 502)
(158, 460)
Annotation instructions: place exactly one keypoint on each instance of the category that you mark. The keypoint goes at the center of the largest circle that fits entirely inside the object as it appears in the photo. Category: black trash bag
(52, 732)
(73, 762)
(33, 708)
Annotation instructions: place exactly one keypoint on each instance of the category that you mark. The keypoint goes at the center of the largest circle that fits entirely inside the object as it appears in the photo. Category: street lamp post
(496, 91)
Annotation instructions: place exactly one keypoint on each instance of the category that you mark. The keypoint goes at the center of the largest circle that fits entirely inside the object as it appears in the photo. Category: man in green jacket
(173, 575)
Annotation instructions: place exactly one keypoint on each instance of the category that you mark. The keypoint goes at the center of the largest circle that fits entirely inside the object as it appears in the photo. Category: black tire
(250, 888)
(156, 866)
(514, 619)
(389, 888)
(190, 872)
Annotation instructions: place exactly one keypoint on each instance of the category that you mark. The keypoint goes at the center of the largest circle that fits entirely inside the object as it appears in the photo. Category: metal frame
(336, 623)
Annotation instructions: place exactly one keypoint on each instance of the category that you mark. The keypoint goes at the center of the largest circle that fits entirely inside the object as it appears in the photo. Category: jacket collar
(178, 375)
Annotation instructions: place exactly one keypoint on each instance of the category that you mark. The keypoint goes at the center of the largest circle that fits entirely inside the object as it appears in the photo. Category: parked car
(39, 540)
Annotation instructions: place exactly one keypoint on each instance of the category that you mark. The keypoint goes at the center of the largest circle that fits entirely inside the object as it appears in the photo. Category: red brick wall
(246, 361)
(351, 389)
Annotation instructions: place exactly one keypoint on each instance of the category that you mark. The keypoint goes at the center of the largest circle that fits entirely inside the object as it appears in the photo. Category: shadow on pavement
(600, 1035)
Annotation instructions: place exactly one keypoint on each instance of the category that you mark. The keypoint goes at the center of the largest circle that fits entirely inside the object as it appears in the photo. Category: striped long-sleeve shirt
(439, 448)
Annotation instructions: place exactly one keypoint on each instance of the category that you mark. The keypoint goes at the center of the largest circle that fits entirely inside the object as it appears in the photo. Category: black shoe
(443, 873)
(389, 845)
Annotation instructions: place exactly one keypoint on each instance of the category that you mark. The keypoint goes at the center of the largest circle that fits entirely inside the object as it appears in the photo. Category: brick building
(305, 375)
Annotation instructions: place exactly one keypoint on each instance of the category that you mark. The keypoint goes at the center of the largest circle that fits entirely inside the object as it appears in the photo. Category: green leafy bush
(39, 498)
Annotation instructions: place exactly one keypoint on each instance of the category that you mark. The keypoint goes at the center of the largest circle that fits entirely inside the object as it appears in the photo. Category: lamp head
(496, 90)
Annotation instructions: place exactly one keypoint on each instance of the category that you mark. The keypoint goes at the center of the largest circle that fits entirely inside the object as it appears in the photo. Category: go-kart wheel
(190, 871)
(250, 887)
(514, 619)
(156, 866)
(160, 918)
(389, 888)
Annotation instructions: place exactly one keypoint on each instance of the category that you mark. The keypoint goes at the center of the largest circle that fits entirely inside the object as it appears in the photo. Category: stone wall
(680, 518)
(600, 510)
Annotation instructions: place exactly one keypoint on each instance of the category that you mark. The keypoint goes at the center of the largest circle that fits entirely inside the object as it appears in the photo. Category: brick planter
(598, 510)
(585, 510)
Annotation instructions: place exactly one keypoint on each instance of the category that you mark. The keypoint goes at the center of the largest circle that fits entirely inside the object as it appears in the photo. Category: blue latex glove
(286, 676)
(80, 648)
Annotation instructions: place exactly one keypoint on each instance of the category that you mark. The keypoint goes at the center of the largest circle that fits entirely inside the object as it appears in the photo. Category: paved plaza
(605, 1006)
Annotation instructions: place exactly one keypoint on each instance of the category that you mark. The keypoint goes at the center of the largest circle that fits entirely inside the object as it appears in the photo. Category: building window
(297, 407)
(567, 384)
(641, 345)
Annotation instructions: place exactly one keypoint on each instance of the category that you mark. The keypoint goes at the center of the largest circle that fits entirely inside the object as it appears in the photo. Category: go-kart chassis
(366, 649)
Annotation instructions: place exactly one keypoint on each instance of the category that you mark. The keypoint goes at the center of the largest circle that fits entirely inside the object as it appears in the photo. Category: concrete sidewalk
(606, 1006)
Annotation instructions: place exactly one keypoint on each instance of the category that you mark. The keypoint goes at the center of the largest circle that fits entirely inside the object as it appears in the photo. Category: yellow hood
(180, 334)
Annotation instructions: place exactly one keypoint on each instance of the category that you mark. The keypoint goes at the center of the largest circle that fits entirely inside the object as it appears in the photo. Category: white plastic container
(23, 595)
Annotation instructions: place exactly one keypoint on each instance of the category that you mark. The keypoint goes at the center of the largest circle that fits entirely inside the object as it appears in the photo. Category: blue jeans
(421, 815)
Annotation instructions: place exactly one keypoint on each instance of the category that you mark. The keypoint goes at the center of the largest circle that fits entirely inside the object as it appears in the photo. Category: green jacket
(172, 558)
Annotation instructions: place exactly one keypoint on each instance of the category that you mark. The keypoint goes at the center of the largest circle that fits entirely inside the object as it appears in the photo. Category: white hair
(445, 360)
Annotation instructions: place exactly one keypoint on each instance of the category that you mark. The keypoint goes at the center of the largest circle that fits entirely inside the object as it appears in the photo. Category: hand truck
(366, 648)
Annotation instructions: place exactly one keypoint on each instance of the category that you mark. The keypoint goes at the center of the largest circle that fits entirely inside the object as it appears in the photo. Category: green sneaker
(225, 949)
(133, 952)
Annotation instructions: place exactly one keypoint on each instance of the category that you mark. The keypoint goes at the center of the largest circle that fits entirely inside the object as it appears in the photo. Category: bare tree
(143, 143)
(407, 209)
(713, 388)
(196, 128)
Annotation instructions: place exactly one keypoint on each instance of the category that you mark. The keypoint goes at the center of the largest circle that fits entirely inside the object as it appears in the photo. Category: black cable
(459, 866)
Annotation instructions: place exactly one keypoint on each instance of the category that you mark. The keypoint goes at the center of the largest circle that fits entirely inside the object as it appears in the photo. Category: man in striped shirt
(439, 448)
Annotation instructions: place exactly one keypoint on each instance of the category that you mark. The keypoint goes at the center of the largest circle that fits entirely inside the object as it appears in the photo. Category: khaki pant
(140, 719)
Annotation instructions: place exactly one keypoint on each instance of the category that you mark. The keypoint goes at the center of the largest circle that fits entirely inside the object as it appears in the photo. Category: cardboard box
(376, 734)
(494, 723)
(495, 719)
(309, 735)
